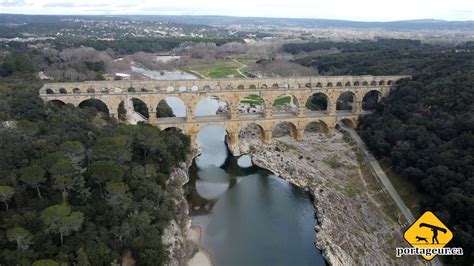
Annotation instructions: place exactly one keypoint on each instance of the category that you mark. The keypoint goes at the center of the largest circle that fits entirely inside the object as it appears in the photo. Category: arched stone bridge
(232, 91)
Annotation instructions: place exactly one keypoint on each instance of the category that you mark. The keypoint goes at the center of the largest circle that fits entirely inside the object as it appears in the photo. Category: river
(247, 215)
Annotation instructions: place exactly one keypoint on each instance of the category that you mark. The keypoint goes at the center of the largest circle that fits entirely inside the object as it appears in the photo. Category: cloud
(362, 10)
(61, 4)
(12, 3)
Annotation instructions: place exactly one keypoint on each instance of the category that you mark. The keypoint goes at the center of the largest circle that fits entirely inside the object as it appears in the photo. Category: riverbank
(358, 221)
(183, 239)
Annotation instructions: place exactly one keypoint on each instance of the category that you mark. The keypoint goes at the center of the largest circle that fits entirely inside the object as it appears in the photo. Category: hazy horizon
(362, 11)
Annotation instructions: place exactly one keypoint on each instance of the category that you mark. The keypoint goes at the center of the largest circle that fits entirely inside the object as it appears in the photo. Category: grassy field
(282, 101)
(406, 189)
(253, 99)
(219, 69)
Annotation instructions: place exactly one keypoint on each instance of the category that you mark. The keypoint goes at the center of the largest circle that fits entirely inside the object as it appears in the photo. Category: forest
(76, 186)
(425, 127)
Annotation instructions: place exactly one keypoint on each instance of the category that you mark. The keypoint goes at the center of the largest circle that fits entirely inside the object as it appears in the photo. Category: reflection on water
(248, 216)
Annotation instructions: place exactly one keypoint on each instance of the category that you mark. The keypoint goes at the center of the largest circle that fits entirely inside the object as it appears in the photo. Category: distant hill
(405, 25)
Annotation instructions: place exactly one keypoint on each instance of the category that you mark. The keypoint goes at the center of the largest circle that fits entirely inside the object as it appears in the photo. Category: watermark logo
(428, 236)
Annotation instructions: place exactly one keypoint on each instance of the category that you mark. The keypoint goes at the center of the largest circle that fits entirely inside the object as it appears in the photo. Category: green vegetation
(78, 188)
(219, 69)
(133, 45)
(284, 100)
(413, 198)
(425, 127)
(253, 99)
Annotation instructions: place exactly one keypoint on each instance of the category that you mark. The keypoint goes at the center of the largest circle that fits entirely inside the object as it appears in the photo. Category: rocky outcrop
(357, 219)
(174, 235)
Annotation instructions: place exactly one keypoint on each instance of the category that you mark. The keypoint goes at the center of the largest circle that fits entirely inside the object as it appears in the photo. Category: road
(374, 164)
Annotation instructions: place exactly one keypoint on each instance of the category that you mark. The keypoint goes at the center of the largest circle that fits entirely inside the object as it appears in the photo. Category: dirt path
(242, 66)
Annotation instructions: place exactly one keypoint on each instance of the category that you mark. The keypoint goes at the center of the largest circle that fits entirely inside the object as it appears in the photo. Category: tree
(61, 220)
(117, 194)
(21, 236)
(75, 152)
(6, 192)
(104, 171)
(62, 172)
(82, 259)
(115, 148)
(45, 263)
(33, 176)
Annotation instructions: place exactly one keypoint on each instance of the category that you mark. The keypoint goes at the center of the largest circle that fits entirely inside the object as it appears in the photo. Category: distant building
(122, 76)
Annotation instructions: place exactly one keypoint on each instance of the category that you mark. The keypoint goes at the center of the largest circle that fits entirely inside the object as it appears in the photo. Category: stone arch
(206, 88)
(104, 90)
(49, 91)
(140, 107)
(285, 103)
(131, 89)
(339, 84)
(319, 85)
(365, 83)
(182, 89)
(318, 101)
(76, 90)
(308, 85)
(170, 89)
(251, 130)
(390, 82)
(171, 107)
(173, 129)
(285, 128)
(264, 86)
(212, 105)
(316, 126)
(203, 128)
(57, 102)
(348, 122)
(348, 84)
(240, 87)
(194, 88)
(90, 90)
(373, 83)
(137, 110)
(382, 82)
(143, 90)
(329, 84)
(62, 91)
(356, 83)
(345, 101)
(252, 104)
(252, 87)
(275, 86)
(370, 100)
(99, 105)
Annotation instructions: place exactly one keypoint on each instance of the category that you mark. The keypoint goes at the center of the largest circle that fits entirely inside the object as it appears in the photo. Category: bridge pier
(300, 111)
(299, 134)
(267, 136)
(357, 107)
(152, 119)
(233, 138)
(268, 112)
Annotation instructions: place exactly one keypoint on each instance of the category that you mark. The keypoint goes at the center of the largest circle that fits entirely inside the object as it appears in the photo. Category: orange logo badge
(428, 232)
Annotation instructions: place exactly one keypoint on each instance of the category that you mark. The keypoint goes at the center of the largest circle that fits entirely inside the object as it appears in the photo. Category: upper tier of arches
(140, 87)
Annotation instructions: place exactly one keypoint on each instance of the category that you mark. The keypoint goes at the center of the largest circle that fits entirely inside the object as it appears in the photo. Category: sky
(358, 10)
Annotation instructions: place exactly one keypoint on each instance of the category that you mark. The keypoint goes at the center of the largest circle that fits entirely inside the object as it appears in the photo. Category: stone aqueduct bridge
(112, 93)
